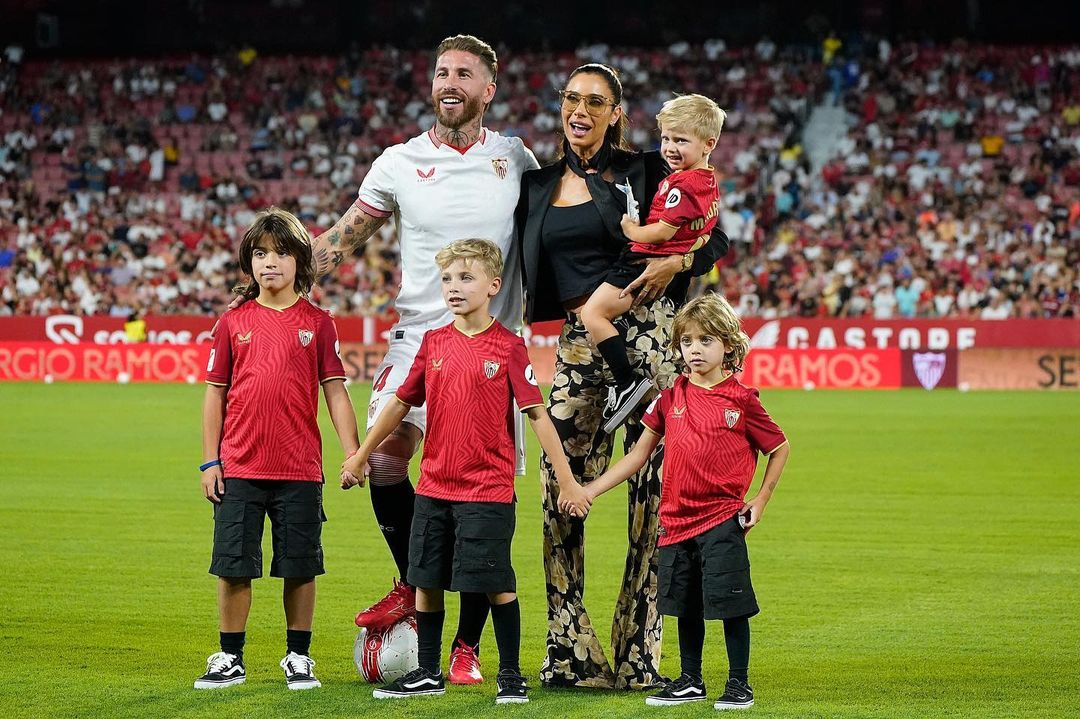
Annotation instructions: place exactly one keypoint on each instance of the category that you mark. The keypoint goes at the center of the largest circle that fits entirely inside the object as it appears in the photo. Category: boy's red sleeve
(522, 378)
(764, 434)
(329, 357)
(413, 391)
(682, 204)
(219, 368)
(656, 412)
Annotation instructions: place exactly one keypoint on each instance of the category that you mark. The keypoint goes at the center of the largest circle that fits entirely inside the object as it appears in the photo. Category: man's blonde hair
(695, 114)
(713, 316)
(484, 252)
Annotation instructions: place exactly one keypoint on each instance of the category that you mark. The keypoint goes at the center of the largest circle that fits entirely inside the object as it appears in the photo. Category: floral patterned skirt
(575, 656)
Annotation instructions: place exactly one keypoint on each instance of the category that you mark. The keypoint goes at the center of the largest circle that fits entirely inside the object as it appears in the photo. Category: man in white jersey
(458, 180)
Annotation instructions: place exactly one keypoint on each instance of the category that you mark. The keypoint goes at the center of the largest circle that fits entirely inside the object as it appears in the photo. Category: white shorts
(404, 344)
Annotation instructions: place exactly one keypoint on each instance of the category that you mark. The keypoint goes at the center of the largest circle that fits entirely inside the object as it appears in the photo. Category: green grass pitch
(921, 558)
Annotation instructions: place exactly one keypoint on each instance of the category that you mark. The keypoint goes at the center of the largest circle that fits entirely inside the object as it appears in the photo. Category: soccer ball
(383, 655)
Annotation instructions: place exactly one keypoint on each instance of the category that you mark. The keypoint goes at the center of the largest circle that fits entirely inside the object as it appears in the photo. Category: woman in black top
(568, 217)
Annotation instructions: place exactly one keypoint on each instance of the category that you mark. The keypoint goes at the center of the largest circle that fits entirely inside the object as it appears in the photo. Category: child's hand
(575, 501)
(213, 486)
(753, 510)
(354, 471)
(350, 480)
(628, 225)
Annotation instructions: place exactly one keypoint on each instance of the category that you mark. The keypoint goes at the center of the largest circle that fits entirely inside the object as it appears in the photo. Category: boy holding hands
(470, 372)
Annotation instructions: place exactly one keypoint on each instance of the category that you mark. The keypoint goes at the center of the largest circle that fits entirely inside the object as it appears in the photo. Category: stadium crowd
(125, 185)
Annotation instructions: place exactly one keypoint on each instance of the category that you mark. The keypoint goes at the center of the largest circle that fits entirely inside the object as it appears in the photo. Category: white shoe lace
(297, 663)
(215, 663)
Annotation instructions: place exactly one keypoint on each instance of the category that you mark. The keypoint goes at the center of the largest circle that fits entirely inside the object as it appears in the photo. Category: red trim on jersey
(439, 143)
(273, 362)
(371, 210)
(712, 437)
(470, 384)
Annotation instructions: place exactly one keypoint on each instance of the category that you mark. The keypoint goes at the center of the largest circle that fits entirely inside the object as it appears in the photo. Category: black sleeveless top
(575, 249)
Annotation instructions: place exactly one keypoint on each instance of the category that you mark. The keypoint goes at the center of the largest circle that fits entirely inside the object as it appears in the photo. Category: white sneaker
(299, 672)
(222, 670)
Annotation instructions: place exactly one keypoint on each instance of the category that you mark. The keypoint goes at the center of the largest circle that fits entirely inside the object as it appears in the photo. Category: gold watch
(687, 261)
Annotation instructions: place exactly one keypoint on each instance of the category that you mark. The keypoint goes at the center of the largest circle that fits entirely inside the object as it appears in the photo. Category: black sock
(613, 350)
(473, 617)
(691, 644)
(233, 643)
(429, 638)
(297, 640)
(737, 638)
(393, 505)
(506, 620)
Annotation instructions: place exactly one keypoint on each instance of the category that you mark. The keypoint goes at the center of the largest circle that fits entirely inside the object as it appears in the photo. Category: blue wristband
(208, 465)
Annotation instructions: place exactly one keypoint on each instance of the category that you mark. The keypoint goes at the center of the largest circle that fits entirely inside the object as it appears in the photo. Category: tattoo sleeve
(348, 234)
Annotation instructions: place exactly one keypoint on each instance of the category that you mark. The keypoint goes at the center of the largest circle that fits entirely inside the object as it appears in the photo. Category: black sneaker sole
(658, 702)
(732, 705)
(511, 700)
(616, 420)
(204, 684)
(383, 694)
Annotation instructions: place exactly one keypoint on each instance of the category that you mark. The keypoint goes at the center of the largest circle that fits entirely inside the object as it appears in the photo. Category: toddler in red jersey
(713, 428)
(261, 446)
(470, 372)
(680, 220)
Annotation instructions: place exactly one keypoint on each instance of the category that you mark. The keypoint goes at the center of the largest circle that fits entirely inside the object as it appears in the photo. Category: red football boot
(400, 602)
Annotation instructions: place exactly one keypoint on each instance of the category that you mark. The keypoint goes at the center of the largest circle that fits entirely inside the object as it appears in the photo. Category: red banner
(914, 334)
(46, 361)
(817, 369)
(790, 333)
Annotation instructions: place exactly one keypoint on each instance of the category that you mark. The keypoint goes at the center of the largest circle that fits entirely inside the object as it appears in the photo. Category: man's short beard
(472, 108)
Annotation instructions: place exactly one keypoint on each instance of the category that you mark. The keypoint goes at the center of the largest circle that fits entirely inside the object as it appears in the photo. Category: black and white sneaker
(624, 400)
(417, 683)
(222, 670)
(737, 695)
(299, 671)
(511, 688)
(679, 691)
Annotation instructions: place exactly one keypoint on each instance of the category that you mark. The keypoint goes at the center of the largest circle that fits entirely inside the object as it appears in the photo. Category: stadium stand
(901, 180)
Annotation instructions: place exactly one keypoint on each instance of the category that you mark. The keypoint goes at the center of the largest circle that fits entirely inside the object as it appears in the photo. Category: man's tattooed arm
(348, 234)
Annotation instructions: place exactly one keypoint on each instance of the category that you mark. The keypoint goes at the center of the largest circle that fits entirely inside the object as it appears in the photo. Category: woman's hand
(654, 280)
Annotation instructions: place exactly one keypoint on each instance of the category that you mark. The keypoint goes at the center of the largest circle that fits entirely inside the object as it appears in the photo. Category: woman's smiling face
(584, 130)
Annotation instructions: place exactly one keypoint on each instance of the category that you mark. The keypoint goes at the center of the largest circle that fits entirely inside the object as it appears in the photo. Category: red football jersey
(273, 362)
(688, 200)
(711, 440)
(469, 384)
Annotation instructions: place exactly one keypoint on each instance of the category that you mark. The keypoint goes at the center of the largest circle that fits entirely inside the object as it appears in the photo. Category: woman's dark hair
(286, 235)
(615, 134)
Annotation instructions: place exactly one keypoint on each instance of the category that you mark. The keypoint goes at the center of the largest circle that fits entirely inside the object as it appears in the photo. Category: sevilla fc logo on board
(500, 165)
(731, 417)
(929, 367)
(305, 337)
(490, 368)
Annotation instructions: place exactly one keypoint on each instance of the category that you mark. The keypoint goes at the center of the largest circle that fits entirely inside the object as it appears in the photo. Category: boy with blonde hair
(713, 429)
(470, 373)
(681, 218)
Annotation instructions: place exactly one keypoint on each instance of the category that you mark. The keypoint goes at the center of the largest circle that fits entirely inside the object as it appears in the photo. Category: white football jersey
(439, 194)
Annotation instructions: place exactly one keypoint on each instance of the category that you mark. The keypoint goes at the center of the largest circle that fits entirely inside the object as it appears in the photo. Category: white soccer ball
(963, 386)
(48, 379)
(191, 379)
(123, 377)
(383, 655)
(808, 386)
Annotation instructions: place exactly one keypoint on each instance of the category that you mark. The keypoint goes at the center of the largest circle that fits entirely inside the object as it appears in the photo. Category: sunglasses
(594, 104)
